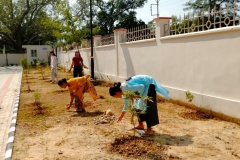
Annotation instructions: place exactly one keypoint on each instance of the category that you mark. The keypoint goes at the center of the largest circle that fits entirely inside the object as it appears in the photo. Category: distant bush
(24, 63)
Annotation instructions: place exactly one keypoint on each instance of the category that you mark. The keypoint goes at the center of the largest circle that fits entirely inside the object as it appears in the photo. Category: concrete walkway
(10, 81)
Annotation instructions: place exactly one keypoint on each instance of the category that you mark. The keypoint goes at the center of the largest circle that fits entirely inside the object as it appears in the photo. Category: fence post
(97, 40)
(162, 26)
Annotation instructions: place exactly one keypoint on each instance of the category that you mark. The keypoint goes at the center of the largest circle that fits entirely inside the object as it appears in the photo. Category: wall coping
(97, 36)
(110, 45)
(86, 48)
(218, 30)
(140, 41)
(159, 18)
(119, 29)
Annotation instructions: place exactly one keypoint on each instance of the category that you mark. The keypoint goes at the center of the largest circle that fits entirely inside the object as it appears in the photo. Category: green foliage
(204, 5)
(21, 23)
(25, 71)
(189, 96)
(118, 11)
(37, 97)
(24, 63)
(68, 20)
(203, 11)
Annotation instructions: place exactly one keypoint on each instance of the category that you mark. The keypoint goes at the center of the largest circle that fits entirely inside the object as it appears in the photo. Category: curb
(9, 147)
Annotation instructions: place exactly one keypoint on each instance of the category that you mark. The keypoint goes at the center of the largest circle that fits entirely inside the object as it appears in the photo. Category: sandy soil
(52, 133)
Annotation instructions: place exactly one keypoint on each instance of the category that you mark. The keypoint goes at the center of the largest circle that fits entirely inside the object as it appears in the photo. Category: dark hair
(77, 52)
(52, 53)
(115, 88)
(60, 82)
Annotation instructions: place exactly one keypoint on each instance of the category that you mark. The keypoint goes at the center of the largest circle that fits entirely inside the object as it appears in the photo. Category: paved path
(10, 80)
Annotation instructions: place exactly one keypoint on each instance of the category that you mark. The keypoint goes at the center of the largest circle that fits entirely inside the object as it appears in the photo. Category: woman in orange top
(77, 87)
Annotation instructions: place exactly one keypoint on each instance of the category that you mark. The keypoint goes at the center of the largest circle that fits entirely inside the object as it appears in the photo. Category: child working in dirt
(144, 86)
(77, 87)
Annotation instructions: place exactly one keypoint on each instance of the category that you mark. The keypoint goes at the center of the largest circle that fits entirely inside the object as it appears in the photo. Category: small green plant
(37, 97)
(189, 96)
(24, 63)
(25, 71)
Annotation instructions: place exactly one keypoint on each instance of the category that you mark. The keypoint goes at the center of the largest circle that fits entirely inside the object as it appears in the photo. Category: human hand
(68, 106)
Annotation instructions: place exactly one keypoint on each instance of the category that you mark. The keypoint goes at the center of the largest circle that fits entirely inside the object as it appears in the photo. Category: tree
(20, 22)
(129, 20)
(117, 11)
(207, 14)
(205, 5)
(214, 7)
(71, 22)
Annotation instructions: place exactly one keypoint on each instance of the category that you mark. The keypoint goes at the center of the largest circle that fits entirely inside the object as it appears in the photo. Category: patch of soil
(197, 115)
(52, 132)
(38, 108)
(60, 91)
(27, 91)
(140, 148)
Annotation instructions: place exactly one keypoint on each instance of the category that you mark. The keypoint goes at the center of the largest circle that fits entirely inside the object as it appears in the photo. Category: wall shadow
(128, 60)
(166, 139)
(129, 63)
(87, 114)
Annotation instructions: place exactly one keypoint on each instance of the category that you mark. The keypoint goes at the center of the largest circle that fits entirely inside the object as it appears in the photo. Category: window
(33, 53)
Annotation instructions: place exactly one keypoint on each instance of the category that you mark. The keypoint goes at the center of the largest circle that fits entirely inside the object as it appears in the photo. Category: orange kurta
(78, 86)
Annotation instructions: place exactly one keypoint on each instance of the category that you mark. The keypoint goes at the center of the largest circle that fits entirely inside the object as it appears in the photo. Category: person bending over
(77, 87)
(144, 86)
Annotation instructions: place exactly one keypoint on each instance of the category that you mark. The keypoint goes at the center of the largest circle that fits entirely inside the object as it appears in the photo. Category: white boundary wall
(12, 59)
(205, 63)
(42, 55)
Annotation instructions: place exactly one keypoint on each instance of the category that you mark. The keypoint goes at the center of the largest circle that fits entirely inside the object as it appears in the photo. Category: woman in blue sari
(144, 86)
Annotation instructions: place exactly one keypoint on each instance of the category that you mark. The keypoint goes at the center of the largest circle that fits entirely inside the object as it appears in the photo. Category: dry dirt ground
(49, 132)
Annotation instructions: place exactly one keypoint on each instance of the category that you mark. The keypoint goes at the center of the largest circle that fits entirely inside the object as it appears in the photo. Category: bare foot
(148, 132)
(138, 127)
(68, 106)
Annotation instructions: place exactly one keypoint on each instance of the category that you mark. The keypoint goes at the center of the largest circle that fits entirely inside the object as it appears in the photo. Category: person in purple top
(144, 86)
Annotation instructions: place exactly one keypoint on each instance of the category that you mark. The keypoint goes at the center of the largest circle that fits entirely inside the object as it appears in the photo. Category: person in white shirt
(54, 62)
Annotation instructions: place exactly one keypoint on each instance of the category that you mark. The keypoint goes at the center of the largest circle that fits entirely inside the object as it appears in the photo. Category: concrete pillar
(162, 26)
(120, 36)
(97, 40)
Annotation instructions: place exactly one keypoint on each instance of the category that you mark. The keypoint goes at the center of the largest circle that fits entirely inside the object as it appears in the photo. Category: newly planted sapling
(134, 113)
(37, 97)
(25, 71)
